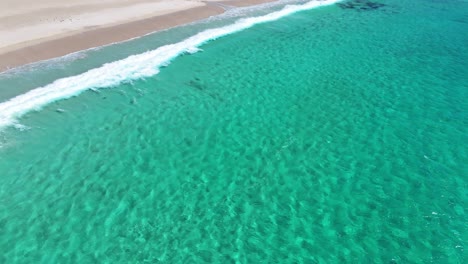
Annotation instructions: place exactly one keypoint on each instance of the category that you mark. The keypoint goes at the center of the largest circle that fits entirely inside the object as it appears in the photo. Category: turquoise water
(333, 135)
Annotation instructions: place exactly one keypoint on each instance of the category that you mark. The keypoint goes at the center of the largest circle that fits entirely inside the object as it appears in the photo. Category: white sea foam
(133, 67)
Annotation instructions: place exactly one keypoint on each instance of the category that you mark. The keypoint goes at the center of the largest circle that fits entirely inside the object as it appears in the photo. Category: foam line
(133, 67)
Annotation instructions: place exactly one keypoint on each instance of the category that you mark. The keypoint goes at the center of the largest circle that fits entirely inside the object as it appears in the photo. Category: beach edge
(105, 35)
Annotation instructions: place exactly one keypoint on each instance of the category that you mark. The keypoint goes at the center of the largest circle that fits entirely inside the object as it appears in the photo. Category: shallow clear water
(329, 136)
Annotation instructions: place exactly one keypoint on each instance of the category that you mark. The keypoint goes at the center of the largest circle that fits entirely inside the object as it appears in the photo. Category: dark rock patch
(361, 5)
(196, 84)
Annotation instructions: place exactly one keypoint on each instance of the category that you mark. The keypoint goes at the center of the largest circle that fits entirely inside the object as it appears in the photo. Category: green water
(329, 136)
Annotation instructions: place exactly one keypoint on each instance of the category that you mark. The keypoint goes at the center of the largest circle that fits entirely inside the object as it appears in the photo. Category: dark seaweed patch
(363, 5)
(196, 84)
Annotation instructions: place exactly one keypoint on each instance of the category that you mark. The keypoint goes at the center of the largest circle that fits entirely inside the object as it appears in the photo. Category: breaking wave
(133, 67)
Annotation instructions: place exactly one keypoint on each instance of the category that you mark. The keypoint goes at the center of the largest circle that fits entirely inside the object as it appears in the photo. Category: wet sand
(38, 32)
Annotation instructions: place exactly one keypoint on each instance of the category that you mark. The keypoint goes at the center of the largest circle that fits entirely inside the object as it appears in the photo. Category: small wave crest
(133, 67)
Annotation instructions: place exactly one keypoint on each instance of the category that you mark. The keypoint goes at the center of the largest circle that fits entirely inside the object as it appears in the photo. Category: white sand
(35, 30)
(27, 22)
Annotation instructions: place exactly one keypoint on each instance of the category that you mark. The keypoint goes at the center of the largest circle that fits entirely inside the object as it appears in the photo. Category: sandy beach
(37, 30)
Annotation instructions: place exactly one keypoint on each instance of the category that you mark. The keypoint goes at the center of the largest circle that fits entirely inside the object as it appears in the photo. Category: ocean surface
(295, 134)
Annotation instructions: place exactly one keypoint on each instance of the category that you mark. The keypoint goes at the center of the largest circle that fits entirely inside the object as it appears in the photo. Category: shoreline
(57, 46)
(134, 67)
